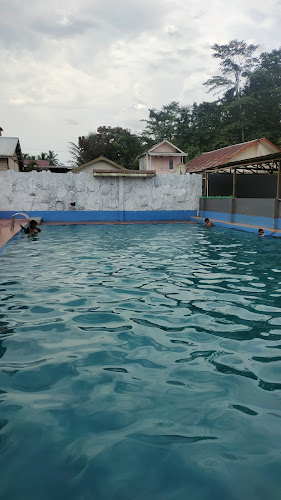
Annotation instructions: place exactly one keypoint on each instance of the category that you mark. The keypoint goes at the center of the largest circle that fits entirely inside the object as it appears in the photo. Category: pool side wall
(107, 216)
(250, 211)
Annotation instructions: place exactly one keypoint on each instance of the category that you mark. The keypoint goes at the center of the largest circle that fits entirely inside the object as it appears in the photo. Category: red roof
(40, 163)
(220, 156)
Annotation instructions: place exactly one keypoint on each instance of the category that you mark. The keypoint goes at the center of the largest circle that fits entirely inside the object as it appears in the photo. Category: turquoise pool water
(140, 362)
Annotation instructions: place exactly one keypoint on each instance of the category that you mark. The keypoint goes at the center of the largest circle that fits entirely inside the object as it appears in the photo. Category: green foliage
(52, 158)
(264, 86)
(166, 123)
(42, 156)
(236, 62)
(118, 144)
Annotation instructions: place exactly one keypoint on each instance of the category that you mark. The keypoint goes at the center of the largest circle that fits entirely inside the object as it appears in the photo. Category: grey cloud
(112, 17)
(186, 52)
(131, 17)
(70, 121)
(80, 64)
(57, 29)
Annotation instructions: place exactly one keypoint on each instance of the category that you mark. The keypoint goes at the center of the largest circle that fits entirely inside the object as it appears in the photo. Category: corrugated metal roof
(8, 146)
(217, 157)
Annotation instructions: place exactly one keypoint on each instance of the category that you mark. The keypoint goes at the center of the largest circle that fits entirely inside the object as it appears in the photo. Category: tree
(167, 123)
(206, 128)
(236, 64)
(264, 88)
(115, 143)
(52, 158)
(32, 165)
(42, 156)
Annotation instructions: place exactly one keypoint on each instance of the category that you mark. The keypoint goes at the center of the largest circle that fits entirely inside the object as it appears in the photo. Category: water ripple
(120, 345)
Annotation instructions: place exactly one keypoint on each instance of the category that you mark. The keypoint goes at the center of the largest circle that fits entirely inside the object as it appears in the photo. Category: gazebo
(245, 191)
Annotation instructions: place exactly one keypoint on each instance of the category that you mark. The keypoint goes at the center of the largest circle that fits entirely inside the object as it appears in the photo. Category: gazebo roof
(220, 157)
(264, 164)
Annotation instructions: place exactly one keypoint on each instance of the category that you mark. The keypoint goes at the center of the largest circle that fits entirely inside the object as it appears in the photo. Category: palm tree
(42, 156)
(77, 157)
(52, 157)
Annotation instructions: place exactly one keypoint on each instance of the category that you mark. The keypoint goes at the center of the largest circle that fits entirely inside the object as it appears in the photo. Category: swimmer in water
(261, 233)
(208, 222)
(33, 229)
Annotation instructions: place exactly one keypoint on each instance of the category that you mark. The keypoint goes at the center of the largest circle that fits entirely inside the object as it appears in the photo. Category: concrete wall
(9, 164)
(255, 206)
(245, 206)
(44, 191)
(216, 205)
(161, 164)
(260, 212)
(13, 164)
(279, 209)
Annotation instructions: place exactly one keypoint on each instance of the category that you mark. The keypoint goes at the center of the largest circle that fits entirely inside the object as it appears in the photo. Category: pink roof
(40, 163)
(220, 156)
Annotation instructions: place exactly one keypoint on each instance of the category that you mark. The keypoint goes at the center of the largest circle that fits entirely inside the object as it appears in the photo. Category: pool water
(140, 362)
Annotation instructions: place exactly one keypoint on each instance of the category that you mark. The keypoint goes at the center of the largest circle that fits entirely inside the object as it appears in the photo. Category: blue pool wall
(223, 219)
(240, 219)
(258, 212)
(106, 216)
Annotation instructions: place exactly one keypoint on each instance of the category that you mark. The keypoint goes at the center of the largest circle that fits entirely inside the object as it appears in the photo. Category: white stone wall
(25, 191)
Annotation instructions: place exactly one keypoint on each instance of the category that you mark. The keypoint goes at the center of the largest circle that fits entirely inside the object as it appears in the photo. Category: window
(171, 163)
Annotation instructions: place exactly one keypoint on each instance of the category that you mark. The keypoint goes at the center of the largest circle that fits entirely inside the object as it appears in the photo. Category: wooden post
(276, 206)
(233, 196)
(234, 184)
(278, 181)
(206, 184)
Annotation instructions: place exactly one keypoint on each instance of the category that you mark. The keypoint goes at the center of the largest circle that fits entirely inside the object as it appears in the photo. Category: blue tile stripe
(106, 216)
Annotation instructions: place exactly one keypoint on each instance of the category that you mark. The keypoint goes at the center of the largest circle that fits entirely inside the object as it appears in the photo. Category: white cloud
(74, 66)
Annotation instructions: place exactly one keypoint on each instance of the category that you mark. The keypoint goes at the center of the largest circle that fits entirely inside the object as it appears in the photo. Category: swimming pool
(140, 362)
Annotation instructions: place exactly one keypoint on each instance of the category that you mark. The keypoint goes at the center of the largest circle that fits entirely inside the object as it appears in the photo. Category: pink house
(164, 158)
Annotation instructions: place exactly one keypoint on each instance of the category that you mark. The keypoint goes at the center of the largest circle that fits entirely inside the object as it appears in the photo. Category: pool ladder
(13, 220)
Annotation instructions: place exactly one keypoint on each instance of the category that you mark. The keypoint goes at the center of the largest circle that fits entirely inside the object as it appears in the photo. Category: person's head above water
(261, 232)
(208, 222)
(33, 227)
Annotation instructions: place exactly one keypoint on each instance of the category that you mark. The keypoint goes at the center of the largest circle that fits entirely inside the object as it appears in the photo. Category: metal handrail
(13, 220)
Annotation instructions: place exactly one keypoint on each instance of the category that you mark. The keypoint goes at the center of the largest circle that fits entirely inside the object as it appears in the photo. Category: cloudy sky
(67, 67)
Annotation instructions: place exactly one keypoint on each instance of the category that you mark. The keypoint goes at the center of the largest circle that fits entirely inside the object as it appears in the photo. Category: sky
(67, 67)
